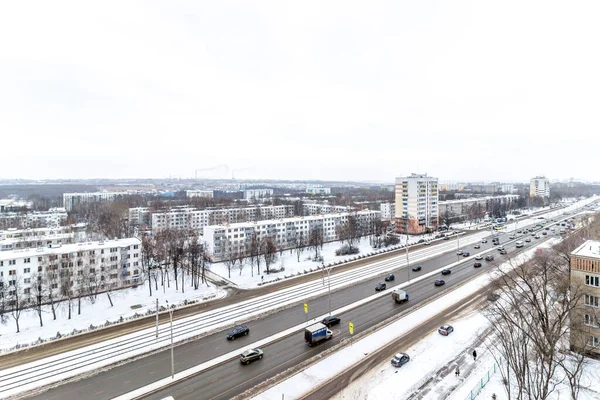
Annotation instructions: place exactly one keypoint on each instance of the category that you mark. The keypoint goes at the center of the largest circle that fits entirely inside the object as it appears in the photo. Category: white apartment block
(72, 200)
(316, 209)
(199, 193)
(507, 188)
(284, 232)
(191, 218)
(318, 190)
(73, 269)
(33, 219)
(539, 187)
(140, 217)
(416, 204)
(257, 194)
(16, 239)
(388, 211)
(462, 208)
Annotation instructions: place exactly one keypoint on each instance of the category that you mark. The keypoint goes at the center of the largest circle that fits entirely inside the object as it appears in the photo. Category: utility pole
(172, 356)
(329, 282)
(156, 317)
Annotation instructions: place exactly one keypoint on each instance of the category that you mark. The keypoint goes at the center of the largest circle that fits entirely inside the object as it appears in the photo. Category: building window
(27, 290)
(591, 301)
(27, 280)
(590, 320)
(26, 270)
(592, 280)
(12, 262)
(592, 341)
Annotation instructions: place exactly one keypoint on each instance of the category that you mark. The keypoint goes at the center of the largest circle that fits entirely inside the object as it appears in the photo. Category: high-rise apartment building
(539, 187)
(585, 276)
(416, 204)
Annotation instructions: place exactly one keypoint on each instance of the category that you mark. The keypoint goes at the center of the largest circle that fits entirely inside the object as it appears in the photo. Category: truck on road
(399, 296)
(316, 333)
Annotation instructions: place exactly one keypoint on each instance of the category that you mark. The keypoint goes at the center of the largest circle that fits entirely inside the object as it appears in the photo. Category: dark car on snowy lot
(400, 359)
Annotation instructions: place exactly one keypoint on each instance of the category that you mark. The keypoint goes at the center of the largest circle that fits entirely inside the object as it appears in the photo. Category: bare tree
(49, 273)
(269, 252)
(315, 239)
(18, 297)
(254, 250)
(195, 257)
(530, 322)
(228, 254)
(148, 258)
(300, 244)
(38, 292)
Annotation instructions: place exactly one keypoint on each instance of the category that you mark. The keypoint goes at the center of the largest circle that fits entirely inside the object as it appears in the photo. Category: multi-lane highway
(231, 378)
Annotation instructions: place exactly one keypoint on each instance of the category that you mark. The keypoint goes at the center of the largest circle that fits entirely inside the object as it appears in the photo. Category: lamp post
(329, 283)
(407, 260)
(172, 356)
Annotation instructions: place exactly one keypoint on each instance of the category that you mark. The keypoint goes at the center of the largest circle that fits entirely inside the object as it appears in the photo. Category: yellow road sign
(306, 308)
(351, 328)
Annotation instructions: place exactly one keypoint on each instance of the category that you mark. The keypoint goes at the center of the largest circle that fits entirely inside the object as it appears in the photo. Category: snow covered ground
(428, 356)
(246, 278)
(126, 303)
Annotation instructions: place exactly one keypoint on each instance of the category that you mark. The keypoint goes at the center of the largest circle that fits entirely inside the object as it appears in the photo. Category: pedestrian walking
(457, 372)
(474, 355)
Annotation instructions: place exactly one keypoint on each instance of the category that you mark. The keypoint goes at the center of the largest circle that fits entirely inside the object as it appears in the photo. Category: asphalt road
(231, 378)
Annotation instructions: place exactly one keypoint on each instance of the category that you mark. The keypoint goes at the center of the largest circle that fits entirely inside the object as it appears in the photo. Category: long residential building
(33, 219)
(199, 193)
(473, 207)
(585, 279)
(285, 233)
(70, 270)
(186, 217)
(416, 204)
(72, 200)
(16, 239)
(323, 208)
(257, 194)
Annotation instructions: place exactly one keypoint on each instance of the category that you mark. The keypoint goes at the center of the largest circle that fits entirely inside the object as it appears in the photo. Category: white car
(479, 257)
(459, 252)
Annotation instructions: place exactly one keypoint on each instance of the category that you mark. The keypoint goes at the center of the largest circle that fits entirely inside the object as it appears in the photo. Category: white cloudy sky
(463, 90)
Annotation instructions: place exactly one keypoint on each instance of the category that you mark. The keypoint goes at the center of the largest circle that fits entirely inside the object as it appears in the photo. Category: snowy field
(249, 277)
(126, 304)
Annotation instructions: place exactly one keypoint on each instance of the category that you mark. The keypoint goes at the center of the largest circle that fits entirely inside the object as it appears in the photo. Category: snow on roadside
(289, 261)
(297, 385)
(126, 303)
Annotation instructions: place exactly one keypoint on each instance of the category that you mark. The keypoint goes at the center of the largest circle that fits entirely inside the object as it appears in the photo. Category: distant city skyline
(462, 90)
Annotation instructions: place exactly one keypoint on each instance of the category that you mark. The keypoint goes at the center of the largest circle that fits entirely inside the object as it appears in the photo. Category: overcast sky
(462, 90)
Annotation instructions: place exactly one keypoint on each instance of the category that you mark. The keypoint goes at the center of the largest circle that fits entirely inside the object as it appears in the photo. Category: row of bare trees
(541, 321)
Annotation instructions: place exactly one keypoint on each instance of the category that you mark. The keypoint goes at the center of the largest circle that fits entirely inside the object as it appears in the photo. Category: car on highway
(511, 237)
(489, 257)
(439, 282)
(446, 238)
(479, 257)
(528, 240)
(421, 241)
(466, 254)
(544, 233)
(519, 231)
(459, 253)
(500, 248)
(380, 286)
(389, 277)
(537, 236)
(445, 330)
(483, 240)
(427, 243)
(331, 320)
(446, 272)
(477, 246)
(502, 251)
(238, 331)
(400, 359)
(477, 265)
(251, 355)
(416, 268)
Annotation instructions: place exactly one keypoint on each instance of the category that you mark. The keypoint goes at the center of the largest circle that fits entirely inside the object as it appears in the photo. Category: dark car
(544, 233)
(400, 359)
(439, 282)
(389, 277)
(445, 330)
(331, 320)
(251, 355)
(477, 265)
(446, 272)
(416, 268)
(380, 286)
(421, 240)
(489, 257)
(238, 331)
(502, 251)
(466, 254)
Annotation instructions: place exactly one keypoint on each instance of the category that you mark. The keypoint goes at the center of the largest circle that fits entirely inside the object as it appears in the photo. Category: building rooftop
(470, 199)
(67, 248)
(590, 248)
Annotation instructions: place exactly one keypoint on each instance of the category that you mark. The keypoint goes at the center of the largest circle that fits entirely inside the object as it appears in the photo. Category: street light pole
(329, 283)
(172, 356)
(407, 261)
